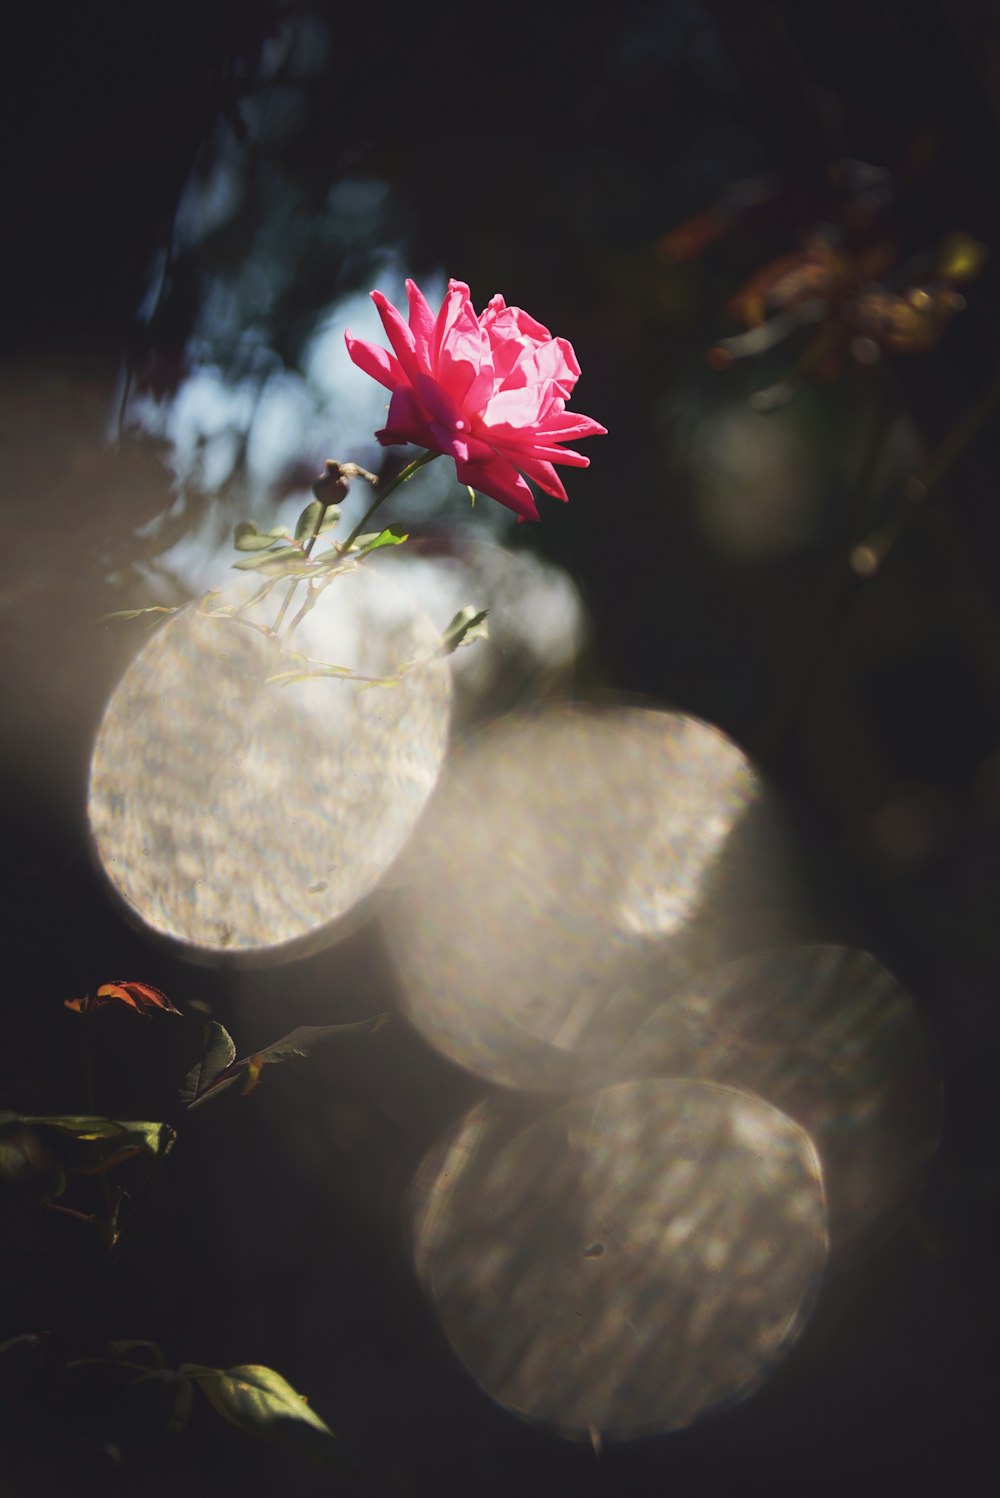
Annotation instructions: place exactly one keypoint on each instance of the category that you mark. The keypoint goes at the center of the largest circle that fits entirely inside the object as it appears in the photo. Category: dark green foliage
(296, 1044)
(306, 525)
(215, 1052)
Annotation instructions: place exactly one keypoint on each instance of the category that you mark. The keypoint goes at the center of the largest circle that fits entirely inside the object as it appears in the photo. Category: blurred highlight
(560, 846)
(591, 906)
(828, 1036)
(628, 1262)
(237, 815)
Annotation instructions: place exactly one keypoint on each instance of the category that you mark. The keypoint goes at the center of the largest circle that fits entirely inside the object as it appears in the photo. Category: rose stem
(400, 478)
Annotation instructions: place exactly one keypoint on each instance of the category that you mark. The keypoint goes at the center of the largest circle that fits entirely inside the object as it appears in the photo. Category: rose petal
(565, 425)
(406, 422)
(398, 333)
(514, 408)
(523, 447)
(438, 404)
(456, 305)
(464, 358)
(545, 476)
(501, 481)
(375, 361)
(488, 391)
(421, 323)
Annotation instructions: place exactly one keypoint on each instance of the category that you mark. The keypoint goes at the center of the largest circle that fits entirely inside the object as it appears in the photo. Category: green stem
(400, 478)
(306, 551)
(383, 495)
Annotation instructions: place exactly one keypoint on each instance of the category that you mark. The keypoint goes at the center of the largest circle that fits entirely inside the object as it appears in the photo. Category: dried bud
(331, 486)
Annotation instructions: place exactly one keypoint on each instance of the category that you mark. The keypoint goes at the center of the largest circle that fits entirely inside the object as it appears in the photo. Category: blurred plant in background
(844, 282)
(849, 302)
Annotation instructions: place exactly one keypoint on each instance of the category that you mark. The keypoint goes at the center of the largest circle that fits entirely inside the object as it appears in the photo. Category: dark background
(547, 150)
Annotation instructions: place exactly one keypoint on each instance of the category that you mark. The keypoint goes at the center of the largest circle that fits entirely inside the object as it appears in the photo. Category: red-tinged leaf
(299, 1043)
(255, 1065)
(142, 997)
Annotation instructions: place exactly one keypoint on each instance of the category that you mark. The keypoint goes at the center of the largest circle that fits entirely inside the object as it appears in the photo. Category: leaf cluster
(96, 1169)
(129, 1393)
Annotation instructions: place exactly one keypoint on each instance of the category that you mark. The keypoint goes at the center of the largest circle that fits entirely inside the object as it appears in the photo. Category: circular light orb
(827, 1035)
(244, 814)
(627, 1262)
(557, 849)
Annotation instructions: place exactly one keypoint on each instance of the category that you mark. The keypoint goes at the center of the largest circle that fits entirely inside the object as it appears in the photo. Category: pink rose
(488, 391)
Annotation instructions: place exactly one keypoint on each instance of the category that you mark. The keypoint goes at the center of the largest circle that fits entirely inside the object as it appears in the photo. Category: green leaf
(150, 1138)
(472, 494)
(292, 1046)
(306, 1038)
(305, 526)
(248, 537)
(258, 1400)
(288, 559)
(217, 1052)
(393, 535)
(468, 624)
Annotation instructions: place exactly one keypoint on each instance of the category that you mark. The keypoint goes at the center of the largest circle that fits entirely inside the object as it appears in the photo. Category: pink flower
(488, 391)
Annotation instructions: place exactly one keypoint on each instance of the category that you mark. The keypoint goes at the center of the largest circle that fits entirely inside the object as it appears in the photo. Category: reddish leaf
(142, 997)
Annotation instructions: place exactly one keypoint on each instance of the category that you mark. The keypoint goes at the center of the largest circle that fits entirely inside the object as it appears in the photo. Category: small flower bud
(331, 486)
